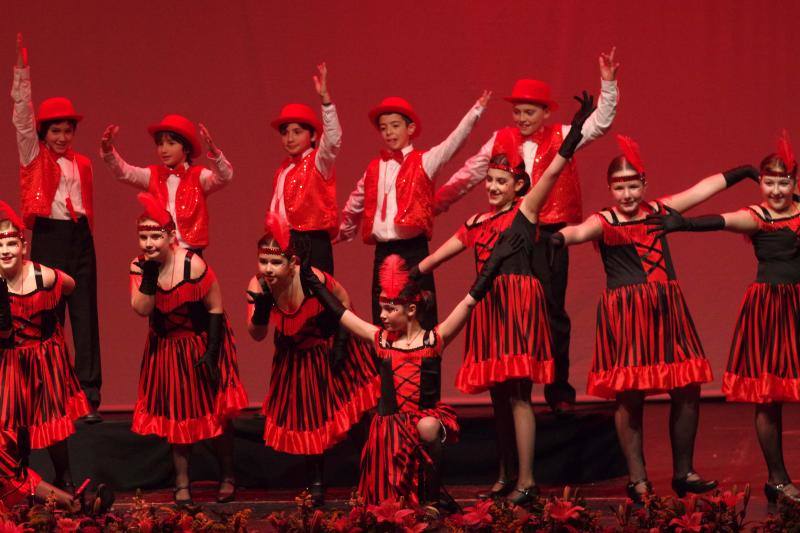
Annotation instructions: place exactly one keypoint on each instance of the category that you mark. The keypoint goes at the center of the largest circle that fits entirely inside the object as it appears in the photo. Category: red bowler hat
(532, 91)
(300, 113)
(56, 108)
(395, 104)
(183, 127)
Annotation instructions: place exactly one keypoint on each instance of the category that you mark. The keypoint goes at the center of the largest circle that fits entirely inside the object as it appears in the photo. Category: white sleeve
(331, 141)
(599, 122)
(438, 156)
(214, 179)
(23, 116)
(472, 173)
(352, 212)
(138, 177)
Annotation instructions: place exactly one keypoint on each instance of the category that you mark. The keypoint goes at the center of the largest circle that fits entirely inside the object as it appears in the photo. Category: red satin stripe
(652, 379)
(480, 377)
(764, 389)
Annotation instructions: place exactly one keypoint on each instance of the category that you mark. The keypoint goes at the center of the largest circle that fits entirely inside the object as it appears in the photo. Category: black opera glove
(672, 221)
(149, 282)
(210, 359)
(573, 138)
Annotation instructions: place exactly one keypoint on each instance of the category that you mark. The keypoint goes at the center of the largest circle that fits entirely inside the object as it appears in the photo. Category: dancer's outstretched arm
(708, 187)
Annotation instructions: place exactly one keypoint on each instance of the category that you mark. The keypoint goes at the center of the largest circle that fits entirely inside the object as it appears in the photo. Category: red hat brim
(376, 112)
(280, 121)
(190, 136)
(75, 117)
(552, 105)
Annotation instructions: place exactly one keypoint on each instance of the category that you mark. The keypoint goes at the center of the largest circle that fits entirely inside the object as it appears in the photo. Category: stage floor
(727, 449)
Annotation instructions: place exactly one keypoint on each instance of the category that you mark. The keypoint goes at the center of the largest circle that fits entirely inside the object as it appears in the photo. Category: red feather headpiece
(154, 210)
(630, 150)
(277, 228)
(393, 278)
(6, 213)
(785, 152)
(505, 144)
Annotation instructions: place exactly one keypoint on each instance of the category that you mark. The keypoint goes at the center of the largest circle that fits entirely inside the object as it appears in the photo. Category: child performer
(304, 186)
(537, 141)
(508, 344)
(189, 388)
(646, 340)
(764, 363)
(412, 424)
(182, 185)
(317, 390)
(40, 391)
(395, 195)
(56, 190)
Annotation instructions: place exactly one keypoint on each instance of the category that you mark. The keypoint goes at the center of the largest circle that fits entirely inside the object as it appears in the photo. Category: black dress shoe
(523, 497)
(182, 502)
(638, 497)
(776, 491)
(696, 486)
(505, 489)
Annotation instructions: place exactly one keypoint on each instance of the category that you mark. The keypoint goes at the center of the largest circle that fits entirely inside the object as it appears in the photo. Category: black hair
(308, 127)
(619, 164)
(406, 118)
(187, 146)
(774, 164)
(45, 126)
(519, 172)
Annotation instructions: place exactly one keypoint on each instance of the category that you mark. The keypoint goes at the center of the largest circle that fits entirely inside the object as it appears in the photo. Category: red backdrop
(704, 86)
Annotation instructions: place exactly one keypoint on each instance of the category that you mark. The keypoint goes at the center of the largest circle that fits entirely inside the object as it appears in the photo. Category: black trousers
(553, 273)
(318, 245)
(69, 247)
(413, 251)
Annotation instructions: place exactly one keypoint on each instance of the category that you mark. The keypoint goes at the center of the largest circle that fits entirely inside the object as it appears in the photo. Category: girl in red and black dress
(508, 344)
(40, 390)
(646, 342)
(764, 363)
(411, 424)
(189, 388)
(322, 383)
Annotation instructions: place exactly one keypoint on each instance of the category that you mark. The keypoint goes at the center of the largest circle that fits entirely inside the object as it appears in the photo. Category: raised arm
(331, 141)
(465, 179)
(23, 115)
(144, 282)
(222, 173)
(451, 248)
(708, 187)
(136, 176)
(438, 156)
(352, 213)
(535, 198)
(259, 306)
(599, 122)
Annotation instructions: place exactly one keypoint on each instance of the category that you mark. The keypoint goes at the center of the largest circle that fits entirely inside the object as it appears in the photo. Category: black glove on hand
(573, 138)
(415, 275)
(5, 307)
(674, 221)
(318, 289)
(555, 243)
(149, 276)
(263, 302)
(735, 175)
(210, 358)
(339, 351)
(506, 245)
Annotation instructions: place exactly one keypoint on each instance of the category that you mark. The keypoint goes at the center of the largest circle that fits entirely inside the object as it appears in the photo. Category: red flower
(730, 499)
(7, 526)
(390, 511)
(67, 525)
(478, 515)
(688, 522)
(563, 511)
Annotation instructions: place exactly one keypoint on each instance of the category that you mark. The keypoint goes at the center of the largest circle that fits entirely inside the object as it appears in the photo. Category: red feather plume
(7, 213)
(630, 149)
(393, 276)
(154, 209)
(785, 151)
(506, 144)
(278, 229)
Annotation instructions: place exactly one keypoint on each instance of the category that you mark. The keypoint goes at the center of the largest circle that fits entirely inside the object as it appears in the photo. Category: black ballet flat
(506, 486)
(697, 486)
(523, 497)
(183, 502)
(776, 491)
(638, 497)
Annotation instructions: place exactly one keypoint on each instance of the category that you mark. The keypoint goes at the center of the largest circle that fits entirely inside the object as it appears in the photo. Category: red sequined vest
(191, 210)
(309, 199)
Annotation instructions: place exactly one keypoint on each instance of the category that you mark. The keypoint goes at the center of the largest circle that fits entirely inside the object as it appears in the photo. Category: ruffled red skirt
(40, 390)
(764, 361)
(177, 400)
(508, 336)
(310, 405)
(393, 454)
(645, 341)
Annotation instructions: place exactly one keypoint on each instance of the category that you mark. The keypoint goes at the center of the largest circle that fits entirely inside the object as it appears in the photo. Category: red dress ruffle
(310, 404)
(176, 399)
(40, 389)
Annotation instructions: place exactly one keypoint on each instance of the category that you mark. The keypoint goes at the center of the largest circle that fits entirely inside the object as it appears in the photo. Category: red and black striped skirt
(311, 404)
(646, 341)
(508, 336)
(764, 361)
(176, 399)
(393, 454)
(41, 391)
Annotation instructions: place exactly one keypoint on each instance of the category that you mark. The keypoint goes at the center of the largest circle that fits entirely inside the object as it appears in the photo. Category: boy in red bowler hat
(538, 142)
(395, 195)
(304, 185)
(180, 184)
(56, 190)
